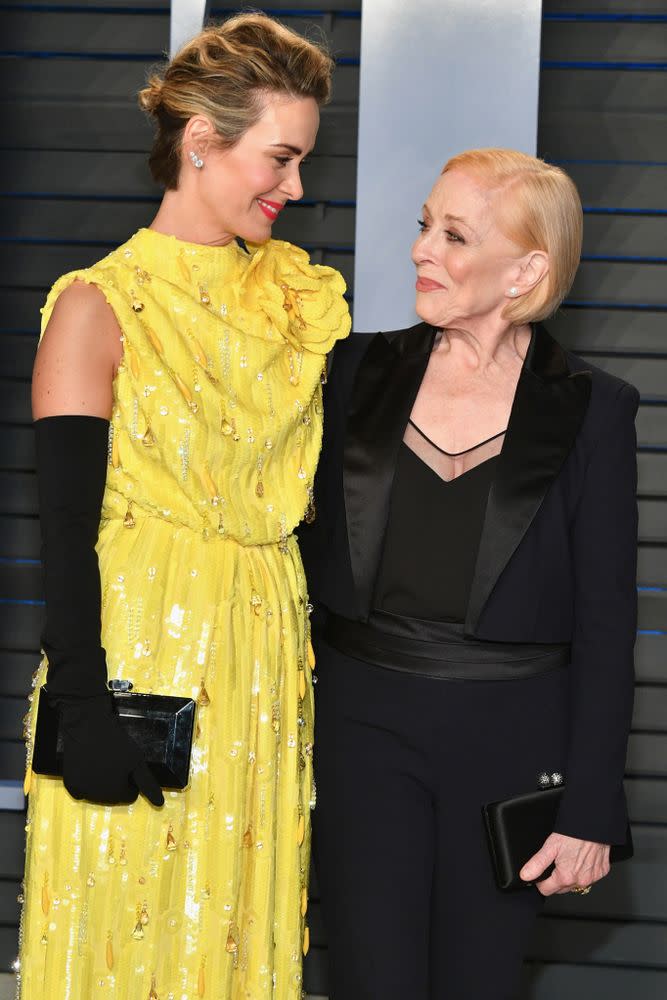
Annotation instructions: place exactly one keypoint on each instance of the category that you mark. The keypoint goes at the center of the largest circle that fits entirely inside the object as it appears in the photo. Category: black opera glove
(101, 763)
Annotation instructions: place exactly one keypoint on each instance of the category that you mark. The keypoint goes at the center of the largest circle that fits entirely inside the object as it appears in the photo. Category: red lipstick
(270, 208)
(427, 285)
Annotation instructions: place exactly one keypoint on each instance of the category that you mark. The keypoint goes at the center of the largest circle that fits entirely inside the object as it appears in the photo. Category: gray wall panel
(113, 125)
(651, 658)
(144, 34)
(652, 425)
(652, 472)
(648, 374)
(580, 982)
(620, 329)
(624, 236)
(647, 800)
(9, 907)
(605, 943)
(652, 565)
(606, 43)
(575, 134)
(650, 711)
(653, 527)
(124, 174)
(620, 185)
(647, 755)
(622, 284)
(105, 80)
(20, 539)
(16, 670)
(602, 90)
(603, 6)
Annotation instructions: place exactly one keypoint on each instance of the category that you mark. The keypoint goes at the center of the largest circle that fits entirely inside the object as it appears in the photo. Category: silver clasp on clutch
(550, 780)
(119, 685)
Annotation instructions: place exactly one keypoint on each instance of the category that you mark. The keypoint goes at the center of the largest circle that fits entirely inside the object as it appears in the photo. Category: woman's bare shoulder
(78, 355)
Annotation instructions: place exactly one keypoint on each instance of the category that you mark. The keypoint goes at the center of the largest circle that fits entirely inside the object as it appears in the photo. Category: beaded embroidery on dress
(215, 435)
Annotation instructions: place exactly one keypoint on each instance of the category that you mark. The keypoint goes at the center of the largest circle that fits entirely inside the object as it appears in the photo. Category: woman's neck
(178, 216)
(480, 349)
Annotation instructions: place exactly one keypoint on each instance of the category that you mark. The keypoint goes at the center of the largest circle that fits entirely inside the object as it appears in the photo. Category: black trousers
(403, 765)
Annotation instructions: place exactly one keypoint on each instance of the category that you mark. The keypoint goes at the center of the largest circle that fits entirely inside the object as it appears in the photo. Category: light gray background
(437, 77)
(187, 17)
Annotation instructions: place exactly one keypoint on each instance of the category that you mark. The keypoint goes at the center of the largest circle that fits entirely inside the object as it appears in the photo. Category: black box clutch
(162, 725)
(517, 828)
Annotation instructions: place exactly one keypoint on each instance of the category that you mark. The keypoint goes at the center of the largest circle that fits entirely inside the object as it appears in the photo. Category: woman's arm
(78, 356)
(72, 401)
(604, 542)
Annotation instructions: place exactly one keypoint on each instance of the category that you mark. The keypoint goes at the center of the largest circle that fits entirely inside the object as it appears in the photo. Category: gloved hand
(101, 762)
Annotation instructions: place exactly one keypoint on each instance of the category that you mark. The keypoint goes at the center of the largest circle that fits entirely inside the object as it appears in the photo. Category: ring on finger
(581, 890)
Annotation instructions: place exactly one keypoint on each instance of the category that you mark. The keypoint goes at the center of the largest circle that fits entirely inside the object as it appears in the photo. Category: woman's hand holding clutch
(101, 762)
(578, 864)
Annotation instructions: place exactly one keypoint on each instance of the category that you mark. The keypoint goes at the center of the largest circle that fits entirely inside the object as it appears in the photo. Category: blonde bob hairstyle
(539, 209)
(223, 74)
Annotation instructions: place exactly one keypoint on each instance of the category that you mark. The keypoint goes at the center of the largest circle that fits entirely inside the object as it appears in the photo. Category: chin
(427, 315)
(255, 234)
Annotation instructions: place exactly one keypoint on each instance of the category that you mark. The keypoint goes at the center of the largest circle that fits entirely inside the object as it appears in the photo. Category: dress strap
(455, 454)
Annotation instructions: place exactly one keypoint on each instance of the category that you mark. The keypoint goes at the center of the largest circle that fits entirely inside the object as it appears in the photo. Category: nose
(420, 249)
(292, 185)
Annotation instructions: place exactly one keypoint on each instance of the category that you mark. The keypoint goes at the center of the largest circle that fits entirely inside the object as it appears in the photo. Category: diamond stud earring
(196, 161)
(513, 290)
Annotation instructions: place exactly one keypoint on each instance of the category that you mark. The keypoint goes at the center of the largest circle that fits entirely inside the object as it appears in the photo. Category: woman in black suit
(473, 566)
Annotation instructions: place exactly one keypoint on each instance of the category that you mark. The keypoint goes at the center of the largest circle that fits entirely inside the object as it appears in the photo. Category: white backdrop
(437, 77)
(187, 18)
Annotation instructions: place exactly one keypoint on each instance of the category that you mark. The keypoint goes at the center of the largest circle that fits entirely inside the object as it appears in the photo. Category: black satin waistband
(439, 649)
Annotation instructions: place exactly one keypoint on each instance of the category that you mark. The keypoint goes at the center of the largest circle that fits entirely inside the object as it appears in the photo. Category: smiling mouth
(270, 208)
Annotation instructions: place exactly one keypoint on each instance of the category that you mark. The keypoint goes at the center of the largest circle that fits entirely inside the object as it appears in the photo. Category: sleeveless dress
(214, 440)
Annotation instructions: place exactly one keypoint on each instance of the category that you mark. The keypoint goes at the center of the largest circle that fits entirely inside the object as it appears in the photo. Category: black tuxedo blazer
(557, 556)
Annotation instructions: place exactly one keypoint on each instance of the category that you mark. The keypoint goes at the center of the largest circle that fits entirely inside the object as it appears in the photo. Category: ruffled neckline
(302, 303)
(186, 264)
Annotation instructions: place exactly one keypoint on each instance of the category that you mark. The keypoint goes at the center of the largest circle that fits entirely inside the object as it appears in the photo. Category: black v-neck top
(432, 538)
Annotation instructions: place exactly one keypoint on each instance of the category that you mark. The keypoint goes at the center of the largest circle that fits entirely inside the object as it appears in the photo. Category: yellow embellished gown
(214, 440)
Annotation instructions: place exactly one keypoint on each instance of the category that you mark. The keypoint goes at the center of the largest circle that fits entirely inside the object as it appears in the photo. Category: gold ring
(581, 890)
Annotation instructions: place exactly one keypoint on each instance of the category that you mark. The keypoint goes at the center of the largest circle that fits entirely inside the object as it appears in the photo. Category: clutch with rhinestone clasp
(162, 725)
(516, 829)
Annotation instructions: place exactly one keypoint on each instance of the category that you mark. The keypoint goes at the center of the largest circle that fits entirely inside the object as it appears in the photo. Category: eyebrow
(286, 145)
(451, 218)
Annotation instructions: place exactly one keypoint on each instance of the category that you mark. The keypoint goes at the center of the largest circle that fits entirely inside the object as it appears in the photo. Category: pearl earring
(196, 161)
(513, 291)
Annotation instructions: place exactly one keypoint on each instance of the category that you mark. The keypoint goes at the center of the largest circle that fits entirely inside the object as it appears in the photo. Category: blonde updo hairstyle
(537, 206)
(223, 74)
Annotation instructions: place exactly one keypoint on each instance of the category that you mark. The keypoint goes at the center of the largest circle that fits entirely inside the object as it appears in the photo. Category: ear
(533, 268)
(197, 134)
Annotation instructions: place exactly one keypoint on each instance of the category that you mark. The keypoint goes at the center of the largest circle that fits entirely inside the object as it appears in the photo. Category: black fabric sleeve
(71, 470)
(604, 543)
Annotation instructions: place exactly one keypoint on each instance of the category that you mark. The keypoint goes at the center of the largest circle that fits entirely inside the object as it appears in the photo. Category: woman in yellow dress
(178, 411)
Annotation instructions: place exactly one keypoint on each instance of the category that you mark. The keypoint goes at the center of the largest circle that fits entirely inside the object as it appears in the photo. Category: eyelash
(452, 236)
(284, 160)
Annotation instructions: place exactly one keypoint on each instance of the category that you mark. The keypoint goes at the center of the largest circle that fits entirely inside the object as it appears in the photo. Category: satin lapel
(549, 406)
(385, 389)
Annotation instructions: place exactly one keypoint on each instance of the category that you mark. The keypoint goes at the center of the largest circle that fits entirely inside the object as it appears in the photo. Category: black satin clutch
(162, 725)
(517, 828)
